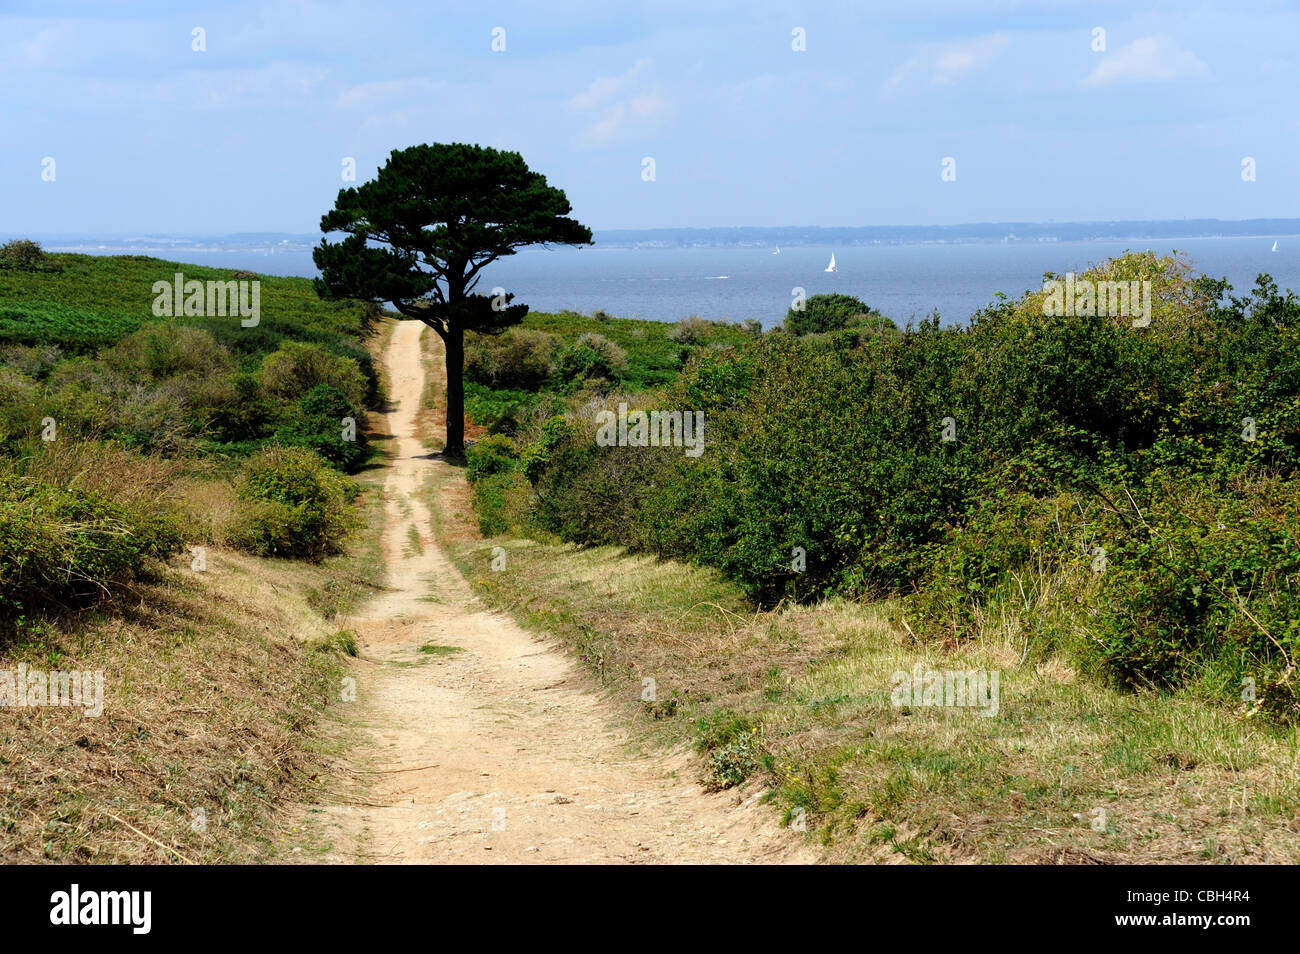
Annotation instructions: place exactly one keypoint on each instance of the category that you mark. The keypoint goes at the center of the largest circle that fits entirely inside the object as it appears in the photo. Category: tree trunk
(454, 340)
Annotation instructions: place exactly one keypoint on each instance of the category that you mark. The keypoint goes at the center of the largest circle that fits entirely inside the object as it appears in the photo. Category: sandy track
(498, 751)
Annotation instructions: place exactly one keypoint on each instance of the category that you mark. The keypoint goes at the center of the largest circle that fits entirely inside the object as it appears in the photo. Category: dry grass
(213, 682)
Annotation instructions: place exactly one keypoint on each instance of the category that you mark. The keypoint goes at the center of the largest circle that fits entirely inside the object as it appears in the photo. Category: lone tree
(420, 232)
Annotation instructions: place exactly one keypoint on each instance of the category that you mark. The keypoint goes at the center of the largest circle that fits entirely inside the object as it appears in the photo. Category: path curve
(497, 750)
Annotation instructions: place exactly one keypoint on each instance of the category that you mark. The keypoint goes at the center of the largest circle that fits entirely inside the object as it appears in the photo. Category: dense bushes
(117, 428)
(991, 465)
(185, 388)
(492, 455)
(325, 422)
(592, 360)
(296, 367)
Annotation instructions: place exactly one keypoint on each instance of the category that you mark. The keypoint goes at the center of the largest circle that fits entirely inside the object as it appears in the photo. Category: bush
(953, 465)
(20, 405)
(61, 547)
(160, 351)
(35, 361)
(1197, 583)
(295, 505)
(494, 454)
(519, 359)
(833, 312)
(733, 748)
(536, 455)
(592, 357)
(499, 411)
(502, 501)
(22, 254)
(296, 367)
(691, 331)
(318, 424)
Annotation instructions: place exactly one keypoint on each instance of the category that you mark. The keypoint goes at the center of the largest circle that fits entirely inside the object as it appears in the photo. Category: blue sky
(150, 136)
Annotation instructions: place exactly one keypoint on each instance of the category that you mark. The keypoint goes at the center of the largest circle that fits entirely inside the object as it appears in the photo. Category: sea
(904, 281)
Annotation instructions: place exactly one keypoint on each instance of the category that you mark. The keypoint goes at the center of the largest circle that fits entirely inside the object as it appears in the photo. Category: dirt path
(492, 749)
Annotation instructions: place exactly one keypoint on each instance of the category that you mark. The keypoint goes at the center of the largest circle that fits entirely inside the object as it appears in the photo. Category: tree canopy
(421, 232)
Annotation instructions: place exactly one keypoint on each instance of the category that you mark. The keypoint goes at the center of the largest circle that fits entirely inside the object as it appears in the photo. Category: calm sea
(902, 281)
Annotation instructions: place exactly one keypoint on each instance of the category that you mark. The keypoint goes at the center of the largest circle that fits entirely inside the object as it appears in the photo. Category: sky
(149, 135)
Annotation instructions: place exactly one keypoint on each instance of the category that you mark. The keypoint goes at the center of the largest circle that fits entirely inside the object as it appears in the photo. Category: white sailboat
(1275, 246)
(831, 267)
(778, 250)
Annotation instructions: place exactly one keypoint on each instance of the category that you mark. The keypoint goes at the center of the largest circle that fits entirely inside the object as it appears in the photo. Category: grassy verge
(799, 699)
(217, 679)
(213, 685)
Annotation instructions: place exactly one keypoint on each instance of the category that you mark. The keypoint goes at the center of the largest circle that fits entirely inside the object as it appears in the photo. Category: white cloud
(1150, 59)
(644, 111)
(367, 94)
(604, 88)
(943, 63)
(623, 104)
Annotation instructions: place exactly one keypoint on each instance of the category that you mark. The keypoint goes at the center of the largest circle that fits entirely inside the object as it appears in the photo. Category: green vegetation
(433, 649)
(297, 506)
(551, 357)
(795, 701)
(23, 254)
(834, 312)
(94, 386)
(1101, 486)
(61, 545)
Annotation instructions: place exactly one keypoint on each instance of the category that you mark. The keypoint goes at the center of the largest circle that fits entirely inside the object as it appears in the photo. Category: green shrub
(293, 369)
(294, 505)
(499, 411)
(62, 546)
(22, 254)
(318, 424)
(733, 749)
(502, 501)
(494, 454)
(536, 455)
(692, 330)
(831, 312)
(592, 357)
(162, 350)
(20, 406)
(35, 361)
(519, 359)
(976, 469)
(1200, 584)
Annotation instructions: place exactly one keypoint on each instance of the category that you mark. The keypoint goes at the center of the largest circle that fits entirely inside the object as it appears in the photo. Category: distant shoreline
(1028, 233)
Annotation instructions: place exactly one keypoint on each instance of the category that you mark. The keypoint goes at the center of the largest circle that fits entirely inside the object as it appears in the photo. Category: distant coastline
(730, 237)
